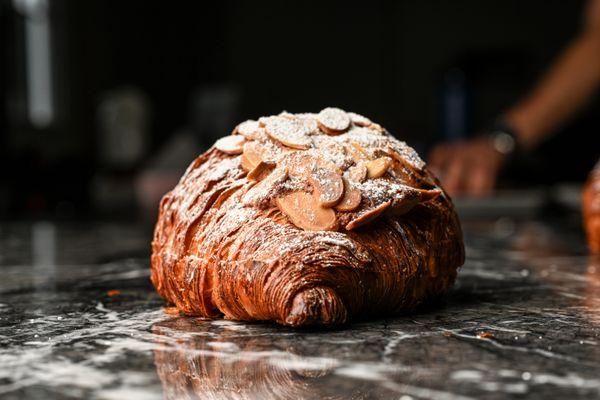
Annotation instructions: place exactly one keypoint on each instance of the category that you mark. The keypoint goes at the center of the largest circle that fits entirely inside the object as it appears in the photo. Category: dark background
(194, 69)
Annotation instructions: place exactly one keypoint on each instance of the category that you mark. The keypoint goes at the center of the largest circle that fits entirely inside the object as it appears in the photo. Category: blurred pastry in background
(591, 209)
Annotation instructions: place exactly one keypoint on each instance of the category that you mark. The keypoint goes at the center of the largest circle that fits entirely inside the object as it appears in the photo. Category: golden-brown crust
(223, 247)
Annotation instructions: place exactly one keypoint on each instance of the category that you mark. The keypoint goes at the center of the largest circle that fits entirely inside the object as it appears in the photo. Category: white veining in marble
(520, 322)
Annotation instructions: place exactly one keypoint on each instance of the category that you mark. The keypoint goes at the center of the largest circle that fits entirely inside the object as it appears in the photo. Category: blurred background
(103, 104)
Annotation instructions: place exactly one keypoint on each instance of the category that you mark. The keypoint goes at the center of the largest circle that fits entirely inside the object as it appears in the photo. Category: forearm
(566, 87)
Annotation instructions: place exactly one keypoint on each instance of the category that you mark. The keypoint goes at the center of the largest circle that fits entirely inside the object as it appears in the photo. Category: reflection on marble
(523, 320)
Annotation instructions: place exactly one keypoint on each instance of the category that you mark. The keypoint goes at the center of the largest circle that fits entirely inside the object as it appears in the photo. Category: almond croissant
(305, 219)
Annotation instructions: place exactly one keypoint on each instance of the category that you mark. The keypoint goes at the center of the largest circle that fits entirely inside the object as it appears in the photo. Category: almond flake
(328, 186)
(259, 172)
(368, 216)
(358, 172)
(378, 167)
(248, 129)
(292, 133)
(333, 121)
(303, 212)
(359, 120)
(351, 199)
(230, 144)
(252, 155)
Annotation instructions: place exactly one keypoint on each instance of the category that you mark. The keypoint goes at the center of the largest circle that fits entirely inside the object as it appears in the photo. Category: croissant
(305, 219)
(591, 209)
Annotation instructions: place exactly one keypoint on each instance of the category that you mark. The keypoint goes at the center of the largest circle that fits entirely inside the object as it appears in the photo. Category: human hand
(468, 168)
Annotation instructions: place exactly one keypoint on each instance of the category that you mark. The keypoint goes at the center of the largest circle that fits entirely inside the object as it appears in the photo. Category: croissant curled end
(316, 306)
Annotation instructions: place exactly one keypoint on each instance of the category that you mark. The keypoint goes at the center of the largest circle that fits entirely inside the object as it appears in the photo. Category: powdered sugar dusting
(359, 120)
(331, 150)
(225, 167)
(312, 153)
(247, 128)
(381, 190)
(290, 132)
(334, 119)
(408, 153)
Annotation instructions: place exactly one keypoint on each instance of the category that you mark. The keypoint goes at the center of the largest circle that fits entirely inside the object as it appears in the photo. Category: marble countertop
(80, 319)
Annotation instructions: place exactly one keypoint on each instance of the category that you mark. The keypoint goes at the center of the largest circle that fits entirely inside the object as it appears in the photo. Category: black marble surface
(79, 319)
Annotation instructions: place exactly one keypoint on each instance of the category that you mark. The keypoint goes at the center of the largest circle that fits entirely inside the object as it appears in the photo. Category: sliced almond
(378, 167)
(247, 165)
(333, 121)
(428, 194)
(376, 127)
(266, 188)
(411, 162)
(406, 155)
(252, 155)
(259, 172)
(310, 124)
(323, 163)
(328, 186)
(401, 206)
(351, 199)
(292, 133)
(359, 120)
(248, 129)
(302, 164)
(368, 216)
(230, 144)
(357, 152)
(358, 173)
(286, 114)
(262, 121)
(280, 174)
(305, 213)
